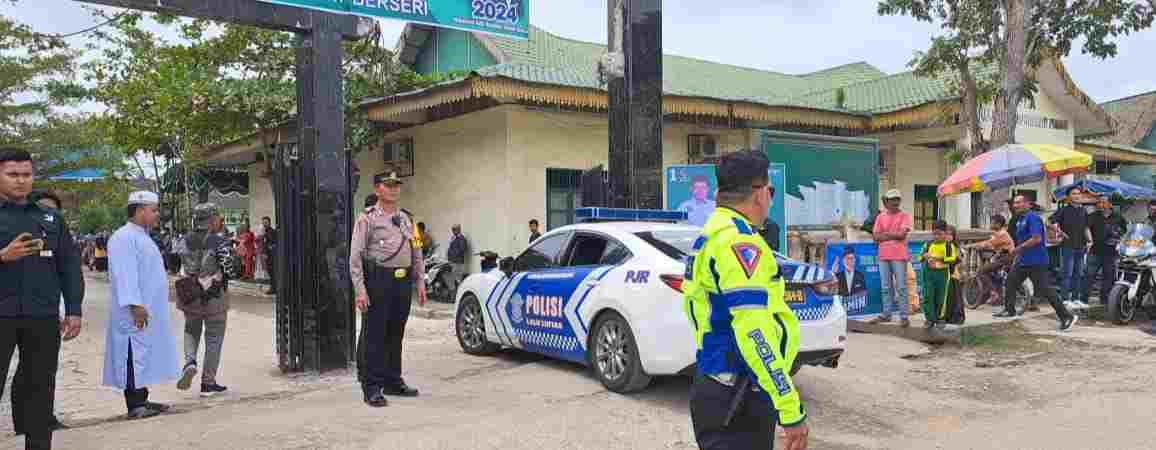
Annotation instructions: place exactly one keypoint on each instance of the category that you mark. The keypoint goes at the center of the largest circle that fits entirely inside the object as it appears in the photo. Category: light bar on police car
(627, 214)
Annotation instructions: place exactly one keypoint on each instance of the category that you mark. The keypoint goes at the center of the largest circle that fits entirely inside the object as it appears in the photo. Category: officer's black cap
(741, 170)
(389, 178)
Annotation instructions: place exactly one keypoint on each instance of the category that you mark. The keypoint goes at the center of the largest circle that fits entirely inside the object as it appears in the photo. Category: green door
(926, 207)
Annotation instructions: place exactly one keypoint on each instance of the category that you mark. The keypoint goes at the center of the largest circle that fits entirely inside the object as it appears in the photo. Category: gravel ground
(1009, 391)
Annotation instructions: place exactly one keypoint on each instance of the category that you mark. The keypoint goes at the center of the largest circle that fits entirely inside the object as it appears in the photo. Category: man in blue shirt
(1031, 261)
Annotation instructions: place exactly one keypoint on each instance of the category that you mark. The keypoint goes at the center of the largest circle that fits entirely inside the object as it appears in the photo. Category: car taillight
(829, 287)
(674, 281)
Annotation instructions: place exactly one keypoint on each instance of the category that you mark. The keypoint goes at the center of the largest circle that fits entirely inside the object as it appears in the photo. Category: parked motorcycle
(1135, 275)
(439, 274)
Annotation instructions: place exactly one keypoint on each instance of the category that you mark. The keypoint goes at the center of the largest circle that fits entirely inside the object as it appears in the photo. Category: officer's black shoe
(376, 399)
(400, 390)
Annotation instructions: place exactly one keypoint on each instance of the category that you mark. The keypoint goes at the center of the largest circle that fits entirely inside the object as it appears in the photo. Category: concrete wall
(914, 166)
(460, 176)
(260, 195)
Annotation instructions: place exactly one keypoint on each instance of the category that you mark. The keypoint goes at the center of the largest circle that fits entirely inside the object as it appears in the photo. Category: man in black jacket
(1107, 228)
(39, 262)
(458, 252)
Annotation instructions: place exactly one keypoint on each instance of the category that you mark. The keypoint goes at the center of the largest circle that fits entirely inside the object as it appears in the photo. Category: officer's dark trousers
(751, 427)
(383, 327)
(39, 344)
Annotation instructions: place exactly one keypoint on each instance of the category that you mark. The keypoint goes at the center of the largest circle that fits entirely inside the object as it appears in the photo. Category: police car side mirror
(506, 265)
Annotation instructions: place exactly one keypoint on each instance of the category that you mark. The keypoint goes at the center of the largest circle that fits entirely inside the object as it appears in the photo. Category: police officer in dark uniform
(385, 265)
(38, 263)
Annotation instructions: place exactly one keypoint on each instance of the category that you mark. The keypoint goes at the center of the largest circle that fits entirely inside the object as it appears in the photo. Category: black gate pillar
(635, 110)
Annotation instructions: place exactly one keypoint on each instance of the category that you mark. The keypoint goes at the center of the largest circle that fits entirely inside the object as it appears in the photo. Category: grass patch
(1004, 338)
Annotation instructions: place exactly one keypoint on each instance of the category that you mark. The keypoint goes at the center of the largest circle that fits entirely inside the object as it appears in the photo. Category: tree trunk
(969, 114)
(1006, 111)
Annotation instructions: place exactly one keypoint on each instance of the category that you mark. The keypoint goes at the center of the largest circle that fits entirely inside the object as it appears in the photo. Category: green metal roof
(889, 93)
(546, 58)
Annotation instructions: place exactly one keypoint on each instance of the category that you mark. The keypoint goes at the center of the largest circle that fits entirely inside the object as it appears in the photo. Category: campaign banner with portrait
(857, 270)
(691, 188)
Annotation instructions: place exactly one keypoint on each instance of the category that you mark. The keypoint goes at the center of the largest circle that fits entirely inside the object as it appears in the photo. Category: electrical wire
(87, 30)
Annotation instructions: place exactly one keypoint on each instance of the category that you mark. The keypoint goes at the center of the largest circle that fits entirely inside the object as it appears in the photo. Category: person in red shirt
(890, 232)
(247, 247)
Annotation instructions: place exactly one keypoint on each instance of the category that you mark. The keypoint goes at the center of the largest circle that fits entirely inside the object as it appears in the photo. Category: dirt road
(1015, 391)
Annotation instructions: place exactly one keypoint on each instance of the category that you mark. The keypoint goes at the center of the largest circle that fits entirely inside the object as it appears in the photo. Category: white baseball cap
(893, 193)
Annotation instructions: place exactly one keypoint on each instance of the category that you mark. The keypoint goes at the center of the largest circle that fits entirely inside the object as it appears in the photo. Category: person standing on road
(890, 232)
(385, 265)
(210, 263)
(1031, 261)
(39, 263)
(140, 348)
(534, 233)
(1072, 222)
(458, 252)
(746, 335)
(1107, 227)
(48, 202)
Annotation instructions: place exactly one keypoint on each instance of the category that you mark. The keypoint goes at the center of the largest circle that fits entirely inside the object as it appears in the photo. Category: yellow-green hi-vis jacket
(734, 300)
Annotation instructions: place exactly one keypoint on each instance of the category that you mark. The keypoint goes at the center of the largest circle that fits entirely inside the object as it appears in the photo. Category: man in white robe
(140, 348)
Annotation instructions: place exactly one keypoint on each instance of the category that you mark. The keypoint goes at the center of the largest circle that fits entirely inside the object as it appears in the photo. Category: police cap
(740, 170)
(388, 178)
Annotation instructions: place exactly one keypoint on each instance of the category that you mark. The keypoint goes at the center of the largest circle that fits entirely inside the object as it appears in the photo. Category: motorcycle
(439, 283)
(1135, 275)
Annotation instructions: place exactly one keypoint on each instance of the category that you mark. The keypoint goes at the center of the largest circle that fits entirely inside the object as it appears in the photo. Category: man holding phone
(38, 264)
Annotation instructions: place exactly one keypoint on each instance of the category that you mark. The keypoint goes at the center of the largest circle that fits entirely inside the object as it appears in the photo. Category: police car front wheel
(471, 328)
(614, 355)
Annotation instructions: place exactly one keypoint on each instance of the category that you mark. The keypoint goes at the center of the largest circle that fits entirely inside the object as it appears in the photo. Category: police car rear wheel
(471, 328)
(614, 355)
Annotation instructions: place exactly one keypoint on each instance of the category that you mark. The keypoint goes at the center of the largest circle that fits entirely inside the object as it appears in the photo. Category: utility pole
(632, 71)
(315, 321)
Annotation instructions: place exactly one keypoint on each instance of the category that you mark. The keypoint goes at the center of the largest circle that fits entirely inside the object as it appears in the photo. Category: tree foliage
(975, 37)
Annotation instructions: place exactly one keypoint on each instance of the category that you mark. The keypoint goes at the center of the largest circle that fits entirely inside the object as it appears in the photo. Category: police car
(609, 295)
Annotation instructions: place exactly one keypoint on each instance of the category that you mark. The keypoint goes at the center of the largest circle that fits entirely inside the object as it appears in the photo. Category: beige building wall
(260, 195)
(913, 166)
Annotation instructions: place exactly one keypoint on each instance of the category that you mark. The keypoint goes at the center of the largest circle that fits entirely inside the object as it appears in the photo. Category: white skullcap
(143, 198)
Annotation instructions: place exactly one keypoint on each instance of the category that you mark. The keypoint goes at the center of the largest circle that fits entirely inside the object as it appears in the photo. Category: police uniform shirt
(32, 286)
(379, 241)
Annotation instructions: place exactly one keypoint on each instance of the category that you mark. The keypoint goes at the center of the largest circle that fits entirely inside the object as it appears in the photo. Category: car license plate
(795, 296)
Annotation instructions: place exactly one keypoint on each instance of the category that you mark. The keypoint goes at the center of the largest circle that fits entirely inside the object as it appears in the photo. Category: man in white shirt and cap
(140, 348)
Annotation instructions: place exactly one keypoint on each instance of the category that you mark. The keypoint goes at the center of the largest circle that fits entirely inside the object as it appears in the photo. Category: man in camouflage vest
(209, 261)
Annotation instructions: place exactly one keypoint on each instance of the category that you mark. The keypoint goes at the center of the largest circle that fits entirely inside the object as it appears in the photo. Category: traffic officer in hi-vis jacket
(385, 264)
(747, 336)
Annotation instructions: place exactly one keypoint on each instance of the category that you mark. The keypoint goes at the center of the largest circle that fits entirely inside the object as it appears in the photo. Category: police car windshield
(676, 244)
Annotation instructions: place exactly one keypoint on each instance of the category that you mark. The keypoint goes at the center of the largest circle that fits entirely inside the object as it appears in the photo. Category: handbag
(189, 290)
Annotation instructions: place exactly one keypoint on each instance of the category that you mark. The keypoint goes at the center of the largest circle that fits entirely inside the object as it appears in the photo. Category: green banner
(510, 18)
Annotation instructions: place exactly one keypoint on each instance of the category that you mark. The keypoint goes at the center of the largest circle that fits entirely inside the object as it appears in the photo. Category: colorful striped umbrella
(1014, 164)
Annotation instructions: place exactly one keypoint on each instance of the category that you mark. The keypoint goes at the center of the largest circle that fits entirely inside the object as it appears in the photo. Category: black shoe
(375, 398)
(158, 407)
(400, 390)
(187, 375)
(1067, 324)
(1004, 315)
(209, 390)
(142, 412)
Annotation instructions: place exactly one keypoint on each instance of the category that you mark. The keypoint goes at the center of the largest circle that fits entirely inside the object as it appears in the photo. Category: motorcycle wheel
(442, 289)
(1121, 309)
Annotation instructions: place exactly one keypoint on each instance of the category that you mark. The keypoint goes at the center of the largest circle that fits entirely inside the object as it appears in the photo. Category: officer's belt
(728, 379)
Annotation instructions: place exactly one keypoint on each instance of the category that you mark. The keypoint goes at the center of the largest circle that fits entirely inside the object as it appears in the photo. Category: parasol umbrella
(1112, 189)
(1014, 164)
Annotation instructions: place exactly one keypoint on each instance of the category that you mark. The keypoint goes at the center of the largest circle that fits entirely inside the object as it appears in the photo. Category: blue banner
(865, 298)
(692, 189)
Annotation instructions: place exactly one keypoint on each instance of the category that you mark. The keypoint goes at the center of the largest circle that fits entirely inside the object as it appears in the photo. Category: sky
(788, 36)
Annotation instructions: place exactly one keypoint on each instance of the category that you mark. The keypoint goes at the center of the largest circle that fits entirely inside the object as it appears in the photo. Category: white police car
(608, 295)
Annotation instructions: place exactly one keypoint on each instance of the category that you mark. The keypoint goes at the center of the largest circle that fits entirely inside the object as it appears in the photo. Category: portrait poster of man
(692, 189)
(856, 268)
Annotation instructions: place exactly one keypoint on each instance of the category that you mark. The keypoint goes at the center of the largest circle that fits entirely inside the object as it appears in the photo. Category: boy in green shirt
(938, 257)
